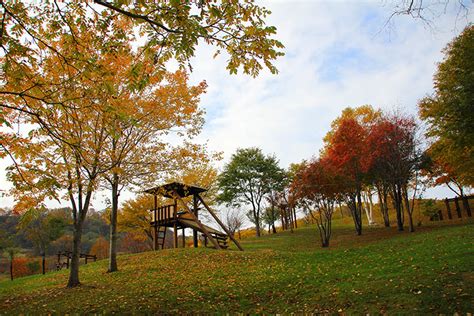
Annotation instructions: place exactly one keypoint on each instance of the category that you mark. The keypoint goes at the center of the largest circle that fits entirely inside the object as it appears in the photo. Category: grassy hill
(430, 271)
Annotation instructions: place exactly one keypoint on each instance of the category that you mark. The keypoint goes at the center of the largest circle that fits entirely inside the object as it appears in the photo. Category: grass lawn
(430, 271)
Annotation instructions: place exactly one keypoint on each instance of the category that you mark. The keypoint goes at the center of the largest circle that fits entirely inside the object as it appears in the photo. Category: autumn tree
(439, 172)
(100, 248)
(134, 217)
(449, 111)
(318, 186)
(345, 152)
(63, 152)
(394, 156)
(135, 147)
(365, 116)
(247, 179)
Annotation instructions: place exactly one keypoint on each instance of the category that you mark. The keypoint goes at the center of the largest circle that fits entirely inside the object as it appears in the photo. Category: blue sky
(338, 54)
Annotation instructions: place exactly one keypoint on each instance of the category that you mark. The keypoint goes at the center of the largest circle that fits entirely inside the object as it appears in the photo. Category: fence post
(467, 208)
(448, 208)
(458, 209)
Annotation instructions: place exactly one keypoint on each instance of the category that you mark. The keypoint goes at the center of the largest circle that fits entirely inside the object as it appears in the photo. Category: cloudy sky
(338, 54)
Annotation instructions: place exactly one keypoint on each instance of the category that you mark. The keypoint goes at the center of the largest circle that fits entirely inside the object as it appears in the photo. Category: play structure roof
(181, 189)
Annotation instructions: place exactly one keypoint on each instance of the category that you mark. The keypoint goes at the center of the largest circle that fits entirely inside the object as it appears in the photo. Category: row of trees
(368, 151)
(369, 154)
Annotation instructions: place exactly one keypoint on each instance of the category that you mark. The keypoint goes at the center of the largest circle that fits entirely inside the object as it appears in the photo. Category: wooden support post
(466, 206)
(458, 209)
(175, 235)
(440, 215)
(204, 230)
(184, 238)
(448, 209)
(155, 227)
(195, 209)
(231, 236)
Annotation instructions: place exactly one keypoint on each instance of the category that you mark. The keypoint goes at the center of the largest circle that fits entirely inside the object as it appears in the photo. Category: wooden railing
(164, 213)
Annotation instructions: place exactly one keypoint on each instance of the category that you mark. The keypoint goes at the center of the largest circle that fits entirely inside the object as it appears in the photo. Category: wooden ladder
(161, 237)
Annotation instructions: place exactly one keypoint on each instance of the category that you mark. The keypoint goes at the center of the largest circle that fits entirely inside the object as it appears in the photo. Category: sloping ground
(431, 271)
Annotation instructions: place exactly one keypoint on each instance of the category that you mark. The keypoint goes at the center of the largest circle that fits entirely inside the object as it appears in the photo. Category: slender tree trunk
(274, 228)
(293, 213)
(340, 208)
(11, 266)
(382, 193)
(43, 262)
(386, 218)
(397, 201)
(76, 249)
(257, 222)
(113, 225)
(356, 212)
(359, 214)
(411, 227)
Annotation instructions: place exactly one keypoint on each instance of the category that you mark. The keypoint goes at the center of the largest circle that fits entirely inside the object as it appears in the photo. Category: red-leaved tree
(346, 152)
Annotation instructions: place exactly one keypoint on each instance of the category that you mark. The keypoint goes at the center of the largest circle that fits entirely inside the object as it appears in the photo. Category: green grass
(430, 271)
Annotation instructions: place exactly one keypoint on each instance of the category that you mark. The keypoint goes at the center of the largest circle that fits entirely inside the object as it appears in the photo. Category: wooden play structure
(179, 215)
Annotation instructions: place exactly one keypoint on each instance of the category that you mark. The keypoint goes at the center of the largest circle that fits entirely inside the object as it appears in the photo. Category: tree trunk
(257, 223)
(356, 212)
(11, 267)
(293, 211)
(409, 210)
(397, 203)
(382, 193)
(274, 228)
(113, 225)
(359, 214)
(43, 262)
(76, 248)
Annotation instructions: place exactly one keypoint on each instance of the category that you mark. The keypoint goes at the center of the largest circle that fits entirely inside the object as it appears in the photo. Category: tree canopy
(248, 178)
(449, 112)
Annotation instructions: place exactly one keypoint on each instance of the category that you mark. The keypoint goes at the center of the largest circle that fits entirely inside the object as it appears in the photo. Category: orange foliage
(20, 267)
(100, 248)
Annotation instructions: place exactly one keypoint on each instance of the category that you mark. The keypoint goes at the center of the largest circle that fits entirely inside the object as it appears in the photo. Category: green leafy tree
(248, 178)
(449, 112)
(41, 228)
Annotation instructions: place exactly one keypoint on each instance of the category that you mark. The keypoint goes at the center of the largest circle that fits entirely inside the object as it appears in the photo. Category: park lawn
(430, 271)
